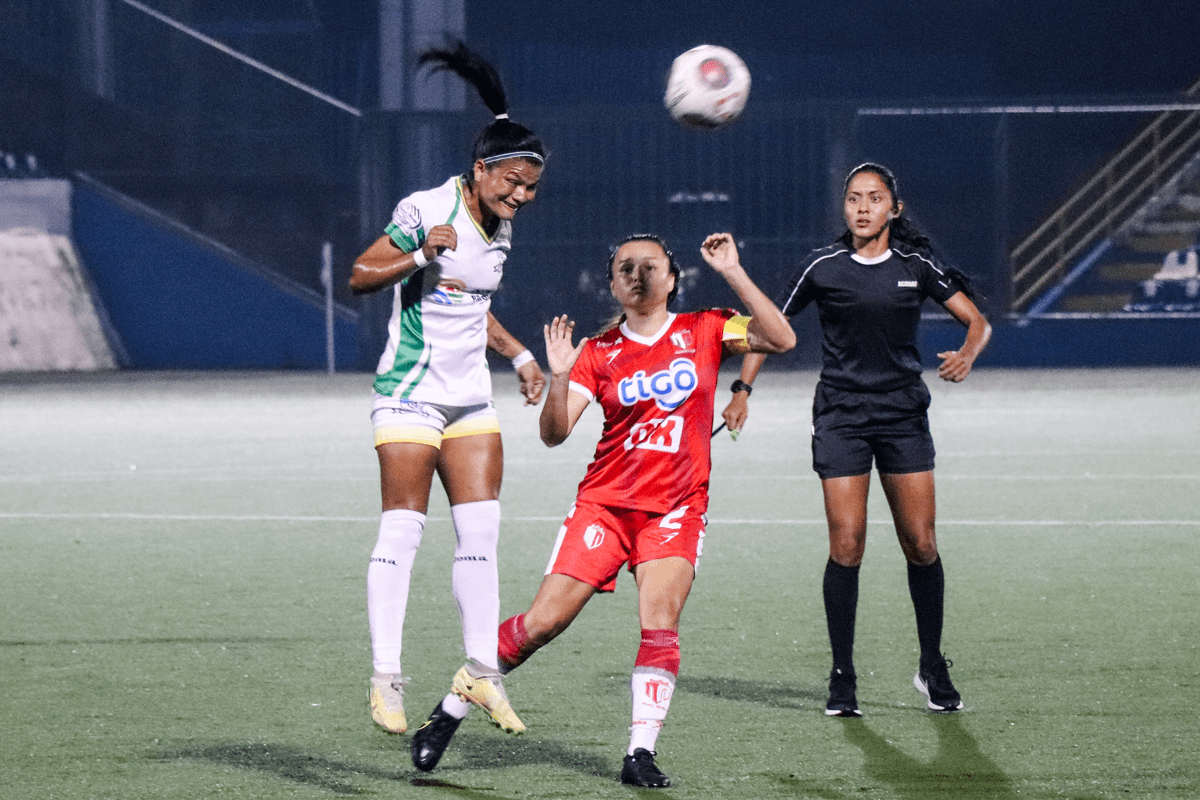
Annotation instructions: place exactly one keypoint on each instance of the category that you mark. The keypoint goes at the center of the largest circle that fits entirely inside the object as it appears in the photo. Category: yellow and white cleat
(387, 703)
(484, 687)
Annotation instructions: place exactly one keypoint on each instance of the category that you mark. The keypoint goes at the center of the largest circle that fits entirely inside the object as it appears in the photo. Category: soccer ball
(707, 87)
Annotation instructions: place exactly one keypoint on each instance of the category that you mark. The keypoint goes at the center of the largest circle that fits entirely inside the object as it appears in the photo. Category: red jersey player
(643, 499)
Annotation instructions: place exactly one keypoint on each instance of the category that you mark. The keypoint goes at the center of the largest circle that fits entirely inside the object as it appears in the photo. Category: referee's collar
(876, 260)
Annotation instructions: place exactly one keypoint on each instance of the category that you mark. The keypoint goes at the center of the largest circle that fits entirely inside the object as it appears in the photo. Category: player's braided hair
(502, 135)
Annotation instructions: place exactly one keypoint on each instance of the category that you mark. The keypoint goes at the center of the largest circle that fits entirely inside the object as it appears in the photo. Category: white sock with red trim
(652, 685)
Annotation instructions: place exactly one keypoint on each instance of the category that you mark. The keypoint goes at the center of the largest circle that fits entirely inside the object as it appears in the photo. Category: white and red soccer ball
(707, 87)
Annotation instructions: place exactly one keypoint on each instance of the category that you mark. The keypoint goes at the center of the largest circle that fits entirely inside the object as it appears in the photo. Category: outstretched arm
(956, 364)
(563, 407)
(530, 374)
(769, 330)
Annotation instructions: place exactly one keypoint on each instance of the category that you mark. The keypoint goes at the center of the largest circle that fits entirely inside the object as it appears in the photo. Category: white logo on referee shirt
(907, 284)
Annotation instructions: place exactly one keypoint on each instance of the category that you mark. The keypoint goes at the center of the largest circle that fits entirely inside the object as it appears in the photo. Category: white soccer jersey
(437, 336)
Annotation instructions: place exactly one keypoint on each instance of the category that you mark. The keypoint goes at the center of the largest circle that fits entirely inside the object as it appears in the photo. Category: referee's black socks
(927, 586)
(841, 608)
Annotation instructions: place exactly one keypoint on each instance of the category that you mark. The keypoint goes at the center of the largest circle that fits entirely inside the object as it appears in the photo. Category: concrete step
(1097, 303)
(1126, 271)
(1159, 242)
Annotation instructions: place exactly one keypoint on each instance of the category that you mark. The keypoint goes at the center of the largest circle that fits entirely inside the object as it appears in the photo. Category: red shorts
(596, 540)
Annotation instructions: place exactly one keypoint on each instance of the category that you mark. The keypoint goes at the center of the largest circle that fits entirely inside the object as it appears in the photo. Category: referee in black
(871, 406)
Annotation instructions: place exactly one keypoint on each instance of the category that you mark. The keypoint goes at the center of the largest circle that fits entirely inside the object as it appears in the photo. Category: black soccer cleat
(933, 681)
(640, 770)
(842, 702)
(432, 739)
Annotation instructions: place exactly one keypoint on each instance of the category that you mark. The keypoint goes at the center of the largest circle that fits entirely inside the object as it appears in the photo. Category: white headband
(516, 154)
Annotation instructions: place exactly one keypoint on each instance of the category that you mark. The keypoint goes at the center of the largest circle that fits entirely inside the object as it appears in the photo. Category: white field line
(1008, 523)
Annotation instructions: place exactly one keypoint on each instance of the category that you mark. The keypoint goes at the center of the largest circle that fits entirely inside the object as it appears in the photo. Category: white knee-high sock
(652, 690)
(476, 578)
(387, 584)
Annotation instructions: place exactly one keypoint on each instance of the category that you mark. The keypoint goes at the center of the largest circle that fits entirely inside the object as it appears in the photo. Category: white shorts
(397, 420)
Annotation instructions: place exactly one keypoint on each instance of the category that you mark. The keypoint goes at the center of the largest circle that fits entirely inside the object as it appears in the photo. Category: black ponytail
(502, 136)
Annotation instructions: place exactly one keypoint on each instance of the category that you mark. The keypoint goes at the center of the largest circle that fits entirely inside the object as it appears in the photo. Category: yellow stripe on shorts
(472, 427)
(735, 329)
(408, 434)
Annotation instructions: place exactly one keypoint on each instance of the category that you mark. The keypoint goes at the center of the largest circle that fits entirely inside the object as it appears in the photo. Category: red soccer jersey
(657, 395)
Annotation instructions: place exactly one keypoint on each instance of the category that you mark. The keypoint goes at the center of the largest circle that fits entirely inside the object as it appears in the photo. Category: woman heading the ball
(643, 499)
(443, 255)
(871, 406)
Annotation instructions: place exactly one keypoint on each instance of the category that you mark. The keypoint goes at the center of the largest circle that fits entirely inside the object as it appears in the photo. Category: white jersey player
(443, 255)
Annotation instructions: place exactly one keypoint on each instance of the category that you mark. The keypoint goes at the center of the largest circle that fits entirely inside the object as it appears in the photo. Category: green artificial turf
(182, 578)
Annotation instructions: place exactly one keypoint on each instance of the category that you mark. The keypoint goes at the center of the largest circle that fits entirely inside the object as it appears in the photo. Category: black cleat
(933, 681)
(432, 738)
(842, 702)
(640, 770)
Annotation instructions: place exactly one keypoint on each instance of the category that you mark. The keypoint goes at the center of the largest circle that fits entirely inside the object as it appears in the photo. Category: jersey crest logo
(409, 217)
(682, 340)
(668, 388)
(658, 692)
(593, 537)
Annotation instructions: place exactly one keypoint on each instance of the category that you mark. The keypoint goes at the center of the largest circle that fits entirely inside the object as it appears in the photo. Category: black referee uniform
(870, 403)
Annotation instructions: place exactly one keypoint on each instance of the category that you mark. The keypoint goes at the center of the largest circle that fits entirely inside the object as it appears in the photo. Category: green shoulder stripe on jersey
(458, 201)
(412, 351)
(402, 239)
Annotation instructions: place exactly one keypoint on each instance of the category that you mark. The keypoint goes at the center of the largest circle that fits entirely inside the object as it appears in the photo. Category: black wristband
(741, 386)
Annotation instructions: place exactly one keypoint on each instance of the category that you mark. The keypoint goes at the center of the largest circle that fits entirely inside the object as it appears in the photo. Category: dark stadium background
(253, 165)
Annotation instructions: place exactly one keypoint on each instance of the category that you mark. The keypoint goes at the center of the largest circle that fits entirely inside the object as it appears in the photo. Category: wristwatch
(741, 386)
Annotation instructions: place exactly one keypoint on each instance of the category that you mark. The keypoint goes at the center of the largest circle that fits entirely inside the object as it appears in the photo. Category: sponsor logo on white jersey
(668, 388)
(454, 293)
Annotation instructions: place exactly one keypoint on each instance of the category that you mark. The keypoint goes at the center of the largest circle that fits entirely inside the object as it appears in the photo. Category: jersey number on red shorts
(657, 434)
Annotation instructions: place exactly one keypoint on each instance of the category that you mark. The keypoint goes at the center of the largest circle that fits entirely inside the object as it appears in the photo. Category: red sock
(659, 650)
(512, 638)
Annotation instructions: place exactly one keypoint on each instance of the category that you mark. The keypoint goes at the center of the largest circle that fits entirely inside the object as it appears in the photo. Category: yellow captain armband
(734, 335)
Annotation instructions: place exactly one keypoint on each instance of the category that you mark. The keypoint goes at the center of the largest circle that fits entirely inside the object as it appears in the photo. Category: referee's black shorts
(852, 429)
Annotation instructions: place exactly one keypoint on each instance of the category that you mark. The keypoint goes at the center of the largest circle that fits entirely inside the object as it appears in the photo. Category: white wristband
(419, 257)
(521, 359)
